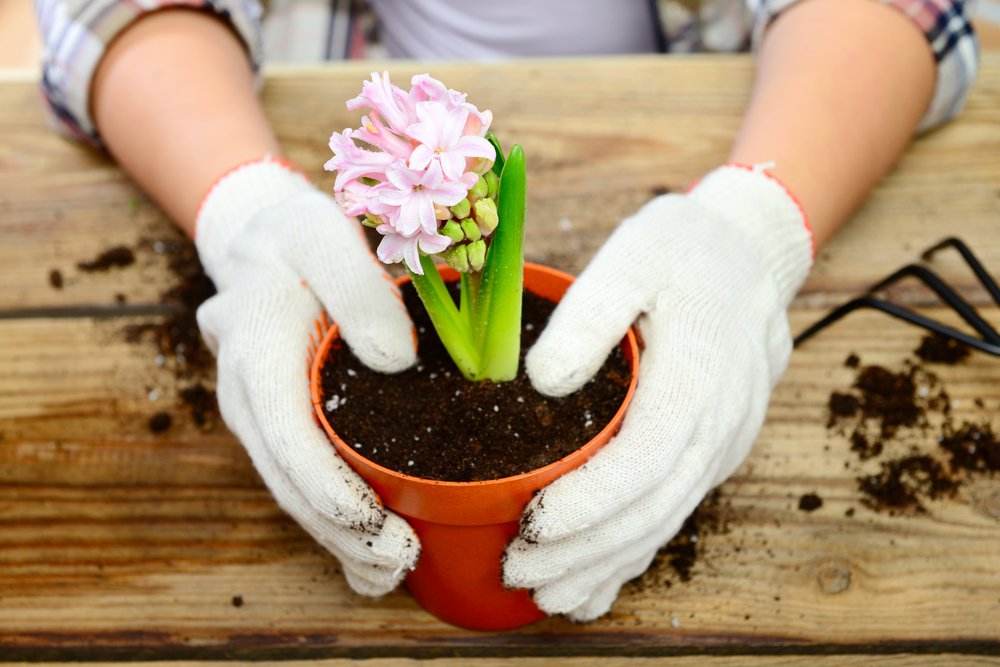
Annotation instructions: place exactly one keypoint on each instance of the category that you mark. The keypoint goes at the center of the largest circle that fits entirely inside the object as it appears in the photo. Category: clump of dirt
(160, 422)
(904, 483)
(810, 502)
(56, 279)
(908, 408)
(971, 447)
(935, 348)
(118, 256)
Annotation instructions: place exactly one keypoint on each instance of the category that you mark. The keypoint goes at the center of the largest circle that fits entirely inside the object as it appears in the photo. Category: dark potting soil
(430, 422)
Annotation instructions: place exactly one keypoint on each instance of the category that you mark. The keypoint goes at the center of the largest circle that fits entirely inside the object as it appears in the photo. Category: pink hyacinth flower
(356, 198)
(390, 102)
(428, 89)
(395, 247)
(441, 140)
(352, 162)
(373, 131)
(416, 192)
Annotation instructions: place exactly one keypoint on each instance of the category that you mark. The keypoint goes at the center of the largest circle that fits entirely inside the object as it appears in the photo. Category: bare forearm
(840, 89)
(174, 101)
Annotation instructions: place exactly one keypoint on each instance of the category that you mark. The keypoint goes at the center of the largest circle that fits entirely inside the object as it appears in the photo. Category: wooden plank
(694, 661)
(600, 137)
(117, 541)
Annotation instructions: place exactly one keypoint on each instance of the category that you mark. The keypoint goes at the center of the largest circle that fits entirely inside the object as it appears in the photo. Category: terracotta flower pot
(465, 526)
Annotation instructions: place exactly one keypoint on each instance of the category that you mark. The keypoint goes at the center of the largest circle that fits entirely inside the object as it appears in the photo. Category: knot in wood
(833, 577)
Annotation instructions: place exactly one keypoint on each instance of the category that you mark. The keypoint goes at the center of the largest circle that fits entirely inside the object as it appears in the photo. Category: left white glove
(709, 275)
(279, 251)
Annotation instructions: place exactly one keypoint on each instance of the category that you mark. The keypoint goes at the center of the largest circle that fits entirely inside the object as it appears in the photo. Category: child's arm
(175, 103)
(841, 87)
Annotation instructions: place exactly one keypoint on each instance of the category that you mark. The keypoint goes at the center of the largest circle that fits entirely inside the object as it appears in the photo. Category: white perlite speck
(334, 402)
(352, 372)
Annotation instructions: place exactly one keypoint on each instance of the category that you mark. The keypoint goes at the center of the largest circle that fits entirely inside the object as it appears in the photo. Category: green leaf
(498, 322)
(499, 162)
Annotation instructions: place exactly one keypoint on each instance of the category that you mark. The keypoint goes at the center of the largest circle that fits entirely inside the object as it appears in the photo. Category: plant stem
(452, 327)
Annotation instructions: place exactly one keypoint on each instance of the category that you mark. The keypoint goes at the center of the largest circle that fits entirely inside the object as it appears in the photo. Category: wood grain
(117, 543)
(599, 138)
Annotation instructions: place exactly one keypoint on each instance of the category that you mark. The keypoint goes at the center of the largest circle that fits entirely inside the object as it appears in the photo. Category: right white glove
(279, 251)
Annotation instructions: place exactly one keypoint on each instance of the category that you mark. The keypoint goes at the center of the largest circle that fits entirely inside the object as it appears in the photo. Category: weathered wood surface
(687, 661)
(115, 542)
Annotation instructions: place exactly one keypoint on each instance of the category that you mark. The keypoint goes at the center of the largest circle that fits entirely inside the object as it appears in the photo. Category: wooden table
(117, 543)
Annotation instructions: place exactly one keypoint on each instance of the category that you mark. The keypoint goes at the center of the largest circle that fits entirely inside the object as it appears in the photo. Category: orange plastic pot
(464, 527)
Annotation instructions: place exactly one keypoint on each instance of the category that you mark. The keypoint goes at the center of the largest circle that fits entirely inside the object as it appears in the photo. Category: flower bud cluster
(427, 165)
(469, 223)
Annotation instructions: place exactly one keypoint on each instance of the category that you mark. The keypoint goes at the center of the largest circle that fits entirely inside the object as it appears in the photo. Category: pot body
(464, 527)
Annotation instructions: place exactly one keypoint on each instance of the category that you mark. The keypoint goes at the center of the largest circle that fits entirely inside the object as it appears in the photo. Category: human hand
(709, 276)
(279, 251)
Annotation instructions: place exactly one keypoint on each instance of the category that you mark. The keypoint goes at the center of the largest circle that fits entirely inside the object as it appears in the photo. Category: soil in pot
(430, 422)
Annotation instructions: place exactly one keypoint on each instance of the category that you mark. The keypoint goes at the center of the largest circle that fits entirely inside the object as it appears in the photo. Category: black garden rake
(989, 340)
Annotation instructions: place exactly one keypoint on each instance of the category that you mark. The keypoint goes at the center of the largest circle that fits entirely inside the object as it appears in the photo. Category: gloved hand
(279, 251)
(709, 276)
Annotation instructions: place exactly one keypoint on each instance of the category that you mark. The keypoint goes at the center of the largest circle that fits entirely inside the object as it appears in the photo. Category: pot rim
(330, 332)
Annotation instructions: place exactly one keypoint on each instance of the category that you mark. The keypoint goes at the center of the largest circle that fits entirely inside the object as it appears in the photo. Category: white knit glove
(279, 251)
(709, 276)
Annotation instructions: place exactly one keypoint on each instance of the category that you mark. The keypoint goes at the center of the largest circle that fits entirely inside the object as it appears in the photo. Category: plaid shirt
(76, 33)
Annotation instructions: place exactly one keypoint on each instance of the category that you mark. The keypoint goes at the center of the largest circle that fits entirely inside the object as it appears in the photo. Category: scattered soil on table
(971, 447)
(118, 256)
(905, 410)
(903, 483)
(675, 561)
(810, 502)
(175, 340)
(430, 422)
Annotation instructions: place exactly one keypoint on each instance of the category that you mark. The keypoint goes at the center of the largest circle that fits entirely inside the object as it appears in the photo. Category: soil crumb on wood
(56, 279)
(430, 422)
(935, 348)
(117, 256)
(160, 422)
(810, 502)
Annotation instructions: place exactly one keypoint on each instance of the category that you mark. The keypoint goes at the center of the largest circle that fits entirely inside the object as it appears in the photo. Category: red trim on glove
(791, 195)
(267, 158)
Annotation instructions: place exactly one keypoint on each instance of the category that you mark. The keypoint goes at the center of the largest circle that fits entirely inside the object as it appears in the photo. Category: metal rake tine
(977, 267)
(947, 294)
(901, 313)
